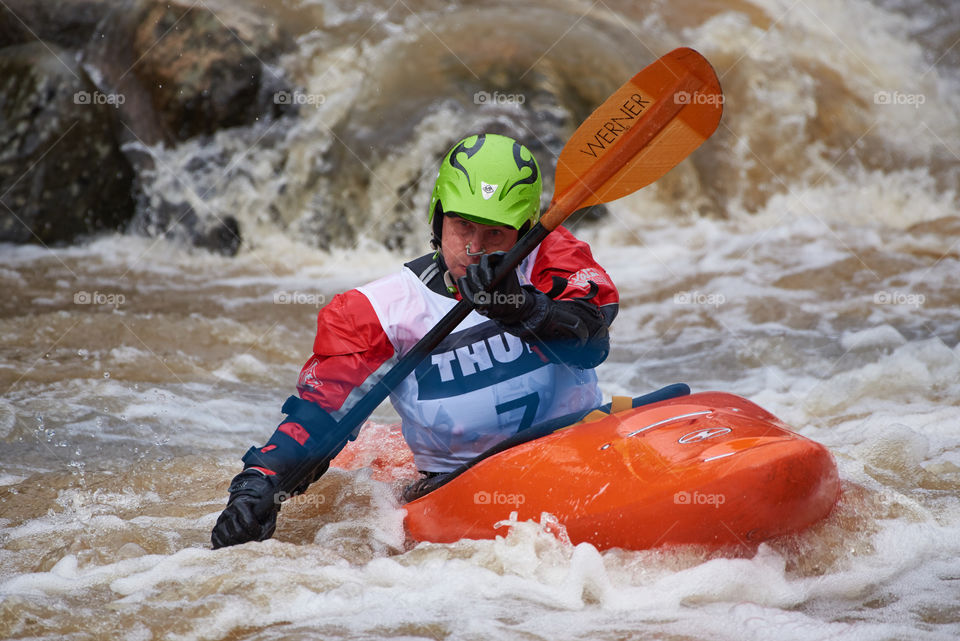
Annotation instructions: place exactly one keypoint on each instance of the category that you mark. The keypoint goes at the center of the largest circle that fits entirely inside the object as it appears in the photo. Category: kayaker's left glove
(508, 303)
(571, 331)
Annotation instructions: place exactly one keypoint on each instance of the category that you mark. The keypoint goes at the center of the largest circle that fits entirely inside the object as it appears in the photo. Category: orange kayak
(710, 469)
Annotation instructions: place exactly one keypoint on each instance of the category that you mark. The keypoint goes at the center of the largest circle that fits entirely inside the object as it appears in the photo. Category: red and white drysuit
(480, 385)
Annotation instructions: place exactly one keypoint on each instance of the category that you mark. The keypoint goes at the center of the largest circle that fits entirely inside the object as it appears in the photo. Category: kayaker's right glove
(251, 512)
(298, 453)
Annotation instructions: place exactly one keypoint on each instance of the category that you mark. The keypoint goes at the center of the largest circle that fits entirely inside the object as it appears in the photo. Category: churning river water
(806, 257)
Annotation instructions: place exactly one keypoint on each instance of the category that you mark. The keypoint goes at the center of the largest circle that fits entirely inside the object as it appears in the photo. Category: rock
(185, 70)
(202, 74)
(109, 58)
(222, 237)
(68, 23)
(171, 70)
(61, 171)
(180, 223)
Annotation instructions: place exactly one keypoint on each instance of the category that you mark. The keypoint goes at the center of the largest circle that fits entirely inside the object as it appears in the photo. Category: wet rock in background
(155, 73)
(62, 174)
(68, 23)
(187, 71)
(205, 71)
(109, 57)
(181, 223)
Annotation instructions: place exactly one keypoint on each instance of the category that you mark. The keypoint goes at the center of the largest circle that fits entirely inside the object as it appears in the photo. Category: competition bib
(478, 387)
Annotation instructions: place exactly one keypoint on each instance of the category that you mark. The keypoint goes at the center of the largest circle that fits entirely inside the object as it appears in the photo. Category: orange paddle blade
(638, 134)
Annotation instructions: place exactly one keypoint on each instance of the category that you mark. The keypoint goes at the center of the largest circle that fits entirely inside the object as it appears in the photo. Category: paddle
(637, 135)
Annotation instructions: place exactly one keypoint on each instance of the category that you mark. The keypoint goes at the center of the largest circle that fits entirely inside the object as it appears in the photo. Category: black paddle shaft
(381, 390)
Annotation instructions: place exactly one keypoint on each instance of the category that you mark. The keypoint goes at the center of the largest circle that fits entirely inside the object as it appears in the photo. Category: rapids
(805, 257)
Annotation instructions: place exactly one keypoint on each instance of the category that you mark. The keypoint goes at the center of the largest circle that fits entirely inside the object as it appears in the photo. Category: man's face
(459, 232)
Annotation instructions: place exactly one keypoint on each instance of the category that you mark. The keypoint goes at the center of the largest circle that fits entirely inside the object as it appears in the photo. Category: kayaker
(527, 354)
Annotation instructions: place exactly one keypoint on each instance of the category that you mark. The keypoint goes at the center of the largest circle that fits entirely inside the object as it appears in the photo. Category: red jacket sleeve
(350, 345)
(562, 254)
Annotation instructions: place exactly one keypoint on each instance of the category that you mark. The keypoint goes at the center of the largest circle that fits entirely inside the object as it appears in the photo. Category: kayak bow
(710, 468)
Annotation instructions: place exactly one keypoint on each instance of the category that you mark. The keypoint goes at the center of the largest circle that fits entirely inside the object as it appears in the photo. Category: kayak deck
(709, 468)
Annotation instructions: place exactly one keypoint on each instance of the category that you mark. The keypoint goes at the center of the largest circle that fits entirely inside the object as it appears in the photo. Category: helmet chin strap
(469, 253)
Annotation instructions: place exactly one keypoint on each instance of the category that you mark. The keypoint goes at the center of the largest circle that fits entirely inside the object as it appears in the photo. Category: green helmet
(489, 179)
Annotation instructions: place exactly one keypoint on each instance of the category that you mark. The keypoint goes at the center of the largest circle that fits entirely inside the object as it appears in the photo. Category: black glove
(508, 303)
(251, 512)
(566, 331)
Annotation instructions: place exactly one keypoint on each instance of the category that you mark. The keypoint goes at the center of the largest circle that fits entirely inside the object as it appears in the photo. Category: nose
(473, 241)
